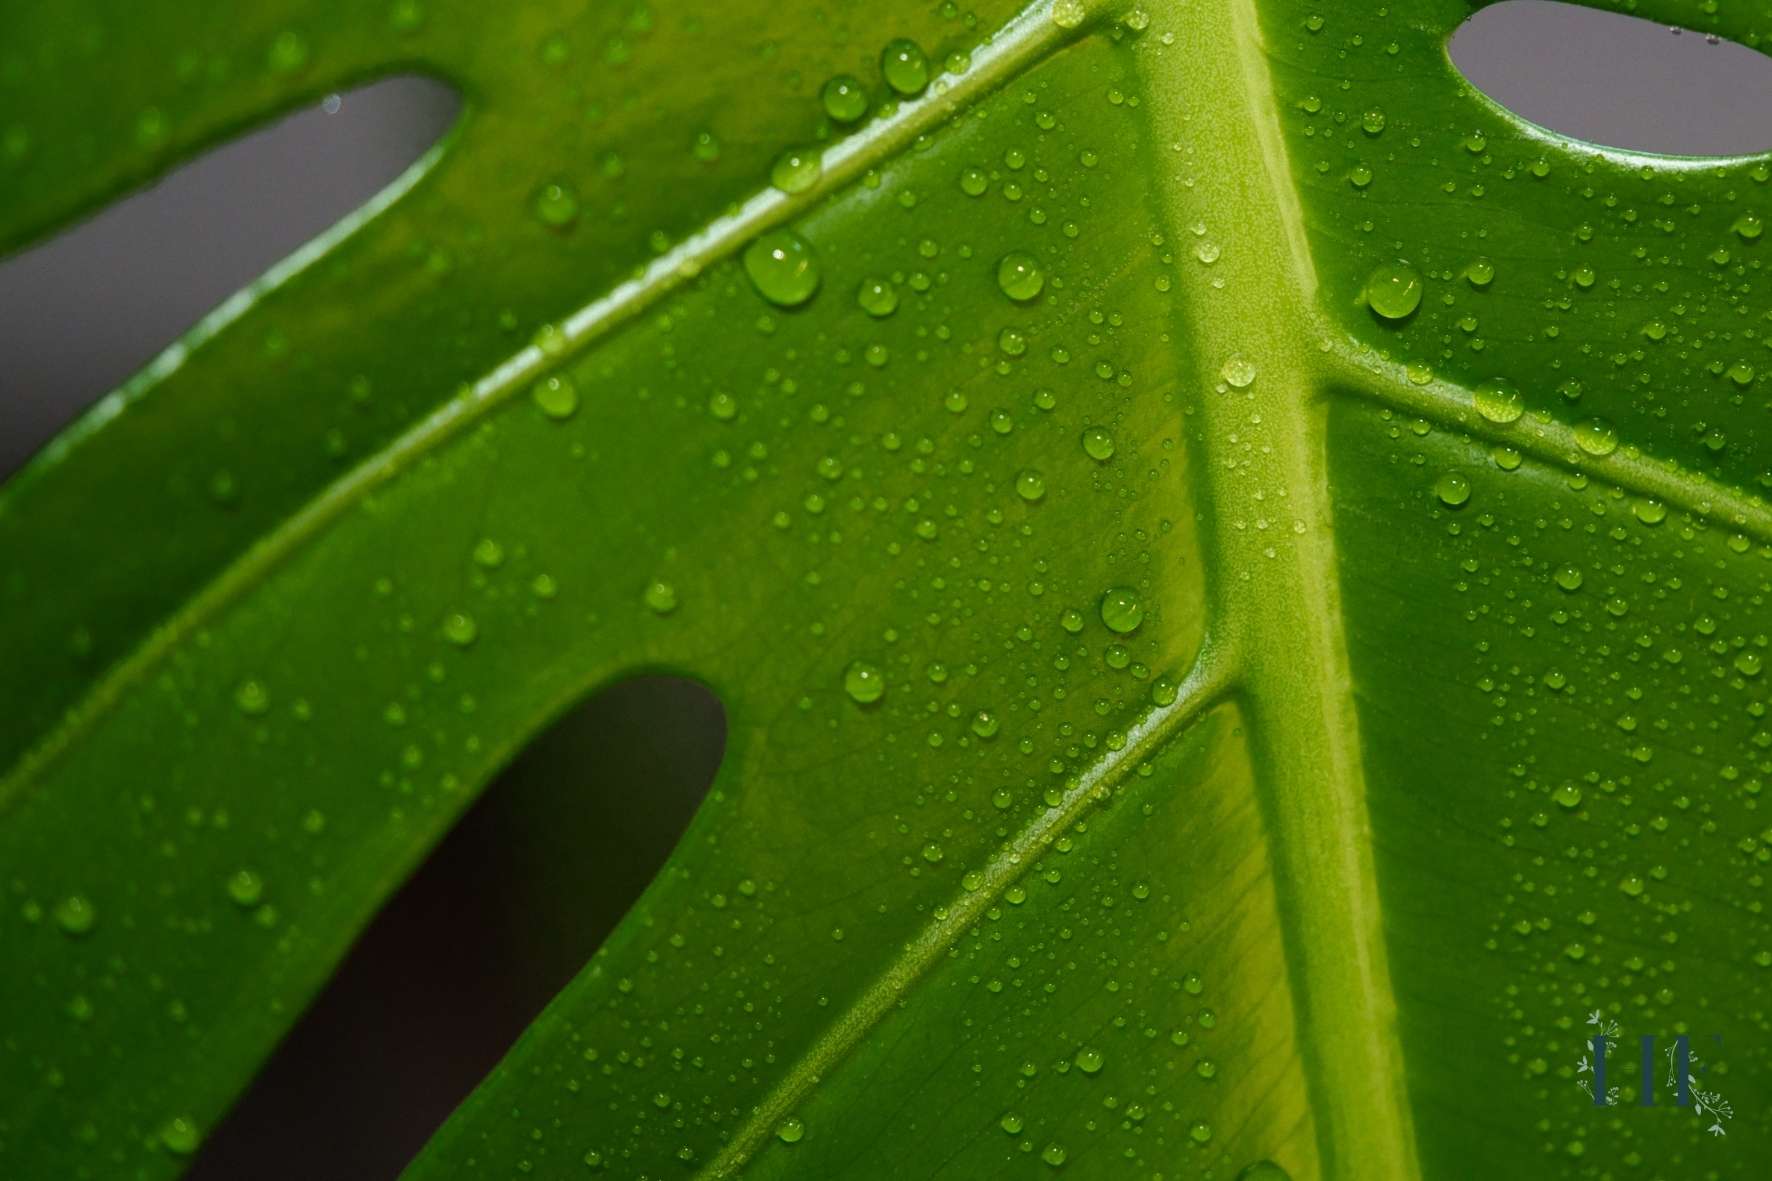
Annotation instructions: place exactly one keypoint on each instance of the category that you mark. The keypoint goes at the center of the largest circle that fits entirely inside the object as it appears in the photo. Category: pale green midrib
(1366, 375)
(1026, 39)
(1205, 686)
(1273, 590)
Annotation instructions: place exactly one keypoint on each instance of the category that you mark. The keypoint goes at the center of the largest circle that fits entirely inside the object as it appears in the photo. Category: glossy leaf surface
(1238, 578)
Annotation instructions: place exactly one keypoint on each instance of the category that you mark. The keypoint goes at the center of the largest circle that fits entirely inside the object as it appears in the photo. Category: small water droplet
(460, 629)
(75, 914)
(661, 597)
(1098, 444)
(556, 396)
(864, 682)
(1030, 485)
(1238, 372)
(180, 1136)
(556, 205)
(877, 297)
(245, 888)
(791, 1131)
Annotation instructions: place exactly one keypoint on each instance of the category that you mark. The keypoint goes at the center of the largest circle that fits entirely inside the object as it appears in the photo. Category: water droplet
(1480, 273)
(932, 853)
(783, 268)
(1098, 444)
(791, 1131)
(1499, 400)
(180, 1136)
(1068, 14)
(556, 205)
(1199, 1131)
(796, 170)
(1453, 488)
(1748, 664)
(75, 914)
(661, 597)
(1631, 884)
(973, 182)
(723, 406)
(1030, 485)
(1372, 122)
(1088, 1060)
(864, 683)
(1596, 437)
(1121, 610)
(1749, 226)
(985, 724)
(1238, 372)
(1569, 578)
(845, 98)
(1020, 276)
(905, 66)
(252, 698)
(1567, 795)
(289, 52)
(1053, 1154)
(877, 297)
(1011, 1123)
(245, 887)
(556, 396)
(460, 629)
(1393, 290)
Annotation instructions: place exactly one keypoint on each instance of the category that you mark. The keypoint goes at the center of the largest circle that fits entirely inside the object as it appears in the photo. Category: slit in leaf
(81, 311)
(506, 909)
(1618, 81)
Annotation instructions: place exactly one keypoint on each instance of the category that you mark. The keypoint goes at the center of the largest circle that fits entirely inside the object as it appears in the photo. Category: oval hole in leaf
(503, 913)
(82, 311)
(1618, 81)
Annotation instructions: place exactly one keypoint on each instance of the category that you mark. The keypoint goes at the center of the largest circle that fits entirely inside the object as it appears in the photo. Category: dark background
(475, 944)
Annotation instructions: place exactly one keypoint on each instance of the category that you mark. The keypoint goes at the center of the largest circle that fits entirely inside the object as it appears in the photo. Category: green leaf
(1261, 640)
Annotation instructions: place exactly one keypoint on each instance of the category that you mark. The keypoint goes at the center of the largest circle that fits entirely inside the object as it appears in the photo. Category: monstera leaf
(1238, 571)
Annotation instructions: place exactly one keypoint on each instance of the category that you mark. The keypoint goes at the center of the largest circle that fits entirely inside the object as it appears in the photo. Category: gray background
(444, 980)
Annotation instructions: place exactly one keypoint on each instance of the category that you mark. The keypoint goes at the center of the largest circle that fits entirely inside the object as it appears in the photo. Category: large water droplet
(1121, 610)
(1393, 290)
(845, 99)
(905, 66)
(796, 170)
(783, 268)
(1020, 276)
(1596, 437)
(1453, 488)
(1499, 400)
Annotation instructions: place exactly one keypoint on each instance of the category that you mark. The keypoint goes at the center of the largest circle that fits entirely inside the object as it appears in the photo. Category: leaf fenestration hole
(81, 311)
(506, 909)
(1618, 81)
